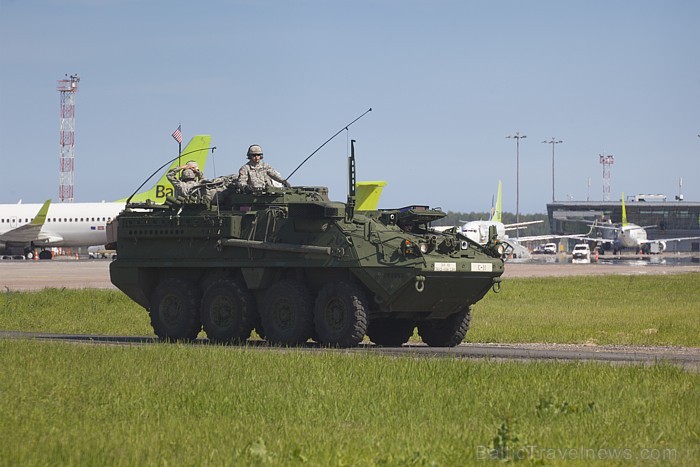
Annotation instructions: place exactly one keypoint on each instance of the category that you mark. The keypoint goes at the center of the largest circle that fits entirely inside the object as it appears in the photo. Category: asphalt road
(688, 358)
(36, 275)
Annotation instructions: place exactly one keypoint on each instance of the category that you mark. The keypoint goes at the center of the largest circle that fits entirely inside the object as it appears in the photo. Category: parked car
(550, 248)
(581, 254)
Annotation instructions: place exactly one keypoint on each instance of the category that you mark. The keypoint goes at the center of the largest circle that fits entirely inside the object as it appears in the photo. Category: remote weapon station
(294, 265)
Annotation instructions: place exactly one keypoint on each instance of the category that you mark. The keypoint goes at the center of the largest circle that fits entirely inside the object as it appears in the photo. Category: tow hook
(496, 284)
(420, 283)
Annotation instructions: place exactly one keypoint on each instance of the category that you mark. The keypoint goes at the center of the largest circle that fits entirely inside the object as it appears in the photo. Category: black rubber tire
(390, 332)
(447, 332)
(228, 311)
(339, 314)
(287, 313)
(175, 310)
(45, 254)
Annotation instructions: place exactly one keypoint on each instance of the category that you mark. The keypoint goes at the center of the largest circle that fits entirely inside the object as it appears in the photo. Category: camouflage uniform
(258, 176)
(182, 187)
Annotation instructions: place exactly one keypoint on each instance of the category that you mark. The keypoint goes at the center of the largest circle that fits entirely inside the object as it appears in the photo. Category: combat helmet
(254, 150)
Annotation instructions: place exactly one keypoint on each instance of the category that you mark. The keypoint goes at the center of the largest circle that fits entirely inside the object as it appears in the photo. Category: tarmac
(79, 274)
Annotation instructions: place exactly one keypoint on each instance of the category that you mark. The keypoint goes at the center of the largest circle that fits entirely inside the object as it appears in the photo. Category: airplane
(629, 235)
(24, 227)
(478, 231)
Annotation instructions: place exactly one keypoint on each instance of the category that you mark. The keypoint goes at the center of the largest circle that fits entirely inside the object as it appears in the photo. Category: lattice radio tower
(67, 88)
(607, 161)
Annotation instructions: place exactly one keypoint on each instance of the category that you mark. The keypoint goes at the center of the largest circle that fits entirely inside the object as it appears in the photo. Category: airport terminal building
(672, 219)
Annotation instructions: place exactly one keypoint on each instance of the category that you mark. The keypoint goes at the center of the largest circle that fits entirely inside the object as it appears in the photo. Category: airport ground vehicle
(101, 252)
(295, 265)
(581, 254)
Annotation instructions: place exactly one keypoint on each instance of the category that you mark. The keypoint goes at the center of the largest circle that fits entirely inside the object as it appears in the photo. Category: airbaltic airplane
(629, 235)
(24, 227)
(478, 231)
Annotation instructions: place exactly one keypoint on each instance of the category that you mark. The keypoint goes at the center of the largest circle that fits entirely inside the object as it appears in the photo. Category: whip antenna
(328, 141)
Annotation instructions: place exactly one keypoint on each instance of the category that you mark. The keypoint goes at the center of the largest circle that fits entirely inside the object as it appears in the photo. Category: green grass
(187, 404)
(634, 310)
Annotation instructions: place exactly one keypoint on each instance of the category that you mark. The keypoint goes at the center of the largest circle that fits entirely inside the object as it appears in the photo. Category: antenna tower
(607, 161)
(67, 88)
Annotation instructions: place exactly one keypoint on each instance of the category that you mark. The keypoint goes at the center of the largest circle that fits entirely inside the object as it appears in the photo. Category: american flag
(177, 134)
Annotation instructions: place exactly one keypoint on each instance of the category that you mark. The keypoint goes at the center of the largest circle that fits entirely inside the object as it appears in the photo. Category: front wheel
(339, 314)
(228, 311)
(447, 332)
(175, 310)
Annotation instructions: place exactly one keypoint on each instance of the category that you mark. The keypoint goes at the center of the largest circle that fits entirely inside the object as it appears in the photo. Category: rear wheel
(339, 315)
(286, 313)
(175, 310)
(447, 332)
(228, 311)
(390, 332)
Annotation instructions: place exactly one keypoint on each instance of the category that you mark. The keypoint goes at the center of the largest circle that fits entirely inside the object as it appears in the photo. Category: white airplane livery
(26, 227)
(632, 236)
(478, 231)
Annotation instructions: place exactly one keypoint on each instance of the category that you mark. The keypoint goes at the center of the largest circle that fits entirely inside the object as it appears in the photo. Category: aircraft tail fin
(196, 150)
(624, 212)
(497, 215)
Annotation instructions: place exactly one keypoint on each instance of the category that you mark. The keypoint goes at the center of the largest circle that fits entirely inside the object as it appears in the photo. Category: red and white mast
(67, 88)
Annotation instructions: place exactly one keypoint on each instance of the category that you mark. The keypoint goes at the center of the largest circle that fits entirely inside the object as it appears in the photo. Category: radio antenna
(328, 141)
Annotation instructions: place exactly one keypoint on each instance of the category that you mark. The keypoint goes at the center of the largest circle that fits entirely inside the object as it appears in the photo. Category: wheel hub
(222, 312)
(335, 314)
(283, 314)
(171, 310)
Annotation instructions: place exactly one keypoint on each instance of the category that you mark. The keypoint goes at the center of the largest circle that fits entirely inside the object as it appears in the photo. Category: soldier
(188, 178)
(198, 174)
(256, 174)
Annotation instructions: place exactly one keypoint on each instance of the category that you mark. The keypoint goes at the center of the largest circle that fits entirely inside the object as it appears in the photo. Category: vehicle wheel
(175, 310)
(390, 332)
(286, 313)
(447, 332)
(228, 311)
(339, 314)
(45, 254)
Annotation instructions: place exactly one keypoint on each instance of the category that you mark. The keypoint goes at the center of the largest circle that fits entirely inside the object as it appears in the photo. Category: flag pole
(177, 135)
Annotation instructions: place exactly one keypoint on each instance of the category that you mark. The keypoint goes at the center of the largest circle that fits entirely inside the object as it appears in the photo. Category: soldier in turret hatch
(189, 178)
(256, 174)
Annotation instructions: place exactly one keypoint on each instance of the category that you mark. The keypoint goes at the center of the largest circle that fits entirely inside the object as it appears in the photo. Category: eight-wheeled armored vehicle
(294, 265)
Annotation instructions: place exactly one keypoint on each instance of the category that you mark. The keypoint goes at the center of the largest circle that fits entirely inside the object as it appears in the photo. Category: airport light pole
(553, 142)
(517, 137)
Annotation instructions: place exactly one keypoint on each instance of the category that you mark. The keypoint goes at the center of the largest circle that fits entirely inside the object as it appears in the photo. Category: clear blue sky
(448, 81)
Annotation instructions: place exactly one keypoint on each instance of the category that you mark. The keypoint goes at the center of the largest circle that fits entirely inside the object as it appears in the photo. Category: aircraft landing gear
(45, 254)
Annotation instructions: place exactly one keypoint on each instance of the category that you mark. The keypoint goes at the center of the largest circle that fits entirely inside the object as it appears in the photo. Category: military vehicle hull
(294, 265)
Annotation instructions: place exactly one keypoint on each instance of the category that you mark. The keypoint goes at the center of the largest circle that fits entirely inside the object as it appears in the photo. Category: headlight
(407, 247)
(423, 248)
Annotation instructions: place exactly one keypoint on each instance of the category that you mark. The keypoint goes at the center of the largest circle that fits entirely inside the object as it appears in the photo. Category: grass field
(634, 310)
(621, 310)
(192, 405)
(166, 404)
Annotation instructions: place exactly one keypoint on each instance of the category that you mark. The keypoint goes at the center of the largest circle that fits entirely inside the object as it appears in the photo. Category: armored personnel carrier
(294, 265)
